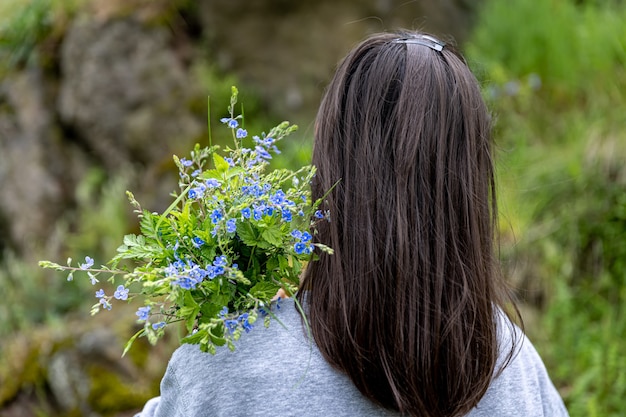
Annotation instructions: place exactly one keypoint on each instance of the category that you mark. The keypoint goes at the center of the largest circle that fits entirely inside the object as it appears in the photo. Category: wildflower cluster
(216, 258)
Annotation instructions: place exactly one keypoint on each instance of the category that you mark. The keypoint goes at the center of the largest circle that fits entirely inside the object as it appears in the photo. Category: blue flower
(319, 214)
(211, 271)
(185, 162)
(232, 123)
(100, 293)
(306, 236)
(223, 312)
(216, 216)
(231, 325)
(241, 133)
(121, 293)
(246, 212)
(212, 183)
(105, 303)
(220, 261)
(197, 242)
(231, 226)
(196, 173)
(286, 215)
(262, 153)
(243, 319)
(296, 233)
(230, 161)
(299, 248)
(278, 198)
(143, 313)
(88, 263)
(257, 213)
(185, 283)
(193, 194)
(269, 211)
(196, 275)
(159, 325)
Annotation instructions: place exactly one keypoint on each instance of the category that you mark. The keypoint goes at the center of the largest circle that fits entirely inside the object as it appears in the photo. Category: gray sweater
(278, 371)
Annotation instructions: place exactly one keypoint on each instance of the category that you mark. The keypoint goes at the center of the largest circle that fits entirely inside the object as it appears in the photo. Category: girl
(407, 317)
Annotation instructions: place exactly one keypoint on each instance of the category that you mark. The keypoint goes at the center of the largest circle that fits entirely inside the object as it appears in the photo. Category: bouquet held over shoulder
(234, 235)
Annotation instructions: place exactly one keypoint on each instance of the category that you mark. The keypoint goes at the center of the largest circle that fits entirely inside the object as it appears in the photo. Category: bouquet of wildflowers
(217, 256)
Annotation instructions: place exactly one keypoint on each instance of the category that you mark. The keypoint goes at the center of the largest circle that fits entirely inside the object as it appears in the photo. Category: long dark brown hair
(407, 306)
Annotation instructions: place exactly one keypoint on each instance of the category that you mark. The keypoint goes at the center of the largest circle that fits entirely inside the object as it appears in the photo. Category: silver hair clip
(424, 40)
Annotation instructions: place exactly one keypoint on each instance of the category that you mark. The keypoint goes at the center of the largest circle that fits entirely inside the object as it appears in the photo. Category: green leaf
(147, 225)
(132, 340)
(220, 163)
(234, 171)
(272, 263)
(195, 338)
(273, 236)
(247, 233)
(189, 310)
(134, 240)
(264, 290)
(212, 173)
(136, 247)
(216, 339)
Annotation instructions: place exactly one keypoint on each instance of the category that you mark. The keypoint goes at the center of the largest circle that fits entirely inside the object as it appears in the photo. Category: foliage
(557, 86)
(97, 198)
(586, 250)
(295, 152)
(572, 49)
(215, 259)
(29, 26)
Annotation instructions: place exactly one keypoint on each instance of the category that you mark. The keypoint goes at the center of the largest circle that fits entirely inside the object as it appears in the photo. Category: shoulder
(258, 349)
(523, 387)
(272, 369)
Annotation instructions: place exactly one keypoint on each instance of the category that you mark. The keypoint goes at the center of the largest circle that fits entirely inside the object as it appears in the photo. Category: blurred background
(96, 96)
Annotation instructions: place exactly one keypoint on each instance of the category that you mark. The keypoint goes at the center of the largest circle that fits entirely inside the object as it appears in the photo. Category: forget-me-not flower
(88, 263)
(143, 313)
(157, 326)
(121, 293)
(241, 133)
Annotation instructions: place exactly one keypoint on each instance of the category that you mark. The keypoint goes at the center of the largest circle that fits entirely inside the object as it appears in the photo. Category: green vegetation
(31, 26)
(554, 73)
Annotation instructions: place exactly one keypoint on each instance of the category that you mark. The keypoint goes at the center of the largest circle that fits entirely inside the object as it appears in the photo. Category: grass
(557, 86)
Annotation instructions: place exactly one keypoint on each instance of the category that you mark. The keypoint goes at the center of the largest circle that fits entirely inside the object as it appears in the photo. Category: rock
(78, 370)
(68, 382)
(32, 195)
(126, 95)
(124, 91)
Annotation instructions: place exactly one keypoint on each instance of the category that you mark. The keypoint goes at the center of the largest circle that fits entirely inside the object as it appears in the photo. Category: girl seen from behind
(407, 317)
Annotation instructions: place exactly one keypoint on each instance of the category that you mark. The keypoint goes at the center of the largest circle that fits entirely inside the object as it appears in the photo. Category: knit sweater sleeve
(172, 402)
